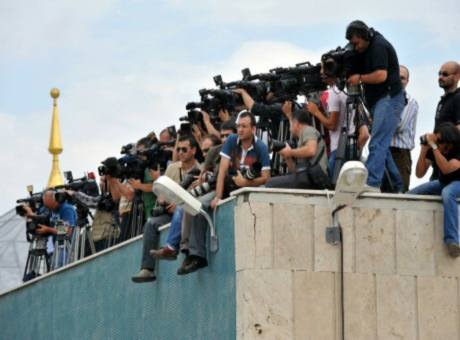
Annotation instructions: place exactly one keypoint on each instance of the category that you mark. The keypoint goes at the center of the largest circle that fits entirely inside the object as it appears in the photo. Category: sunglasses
(183, 150)
(443, 74)
(205, 150)
(225, 135)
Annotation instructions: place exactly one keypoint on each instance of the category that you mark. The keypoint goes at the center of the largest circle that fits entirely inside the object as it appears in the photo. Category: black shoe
(191, 264)
(143, 276)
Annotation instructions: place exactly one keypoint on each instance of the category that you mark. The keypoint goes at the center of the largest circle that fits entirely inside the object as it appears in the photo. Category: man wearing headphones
(375, 65)
(59, 211)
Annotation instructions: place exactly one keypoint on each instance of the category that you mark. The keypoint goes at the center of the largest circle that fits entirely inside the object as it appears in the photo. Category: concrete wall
(96, 299)
(399, 281)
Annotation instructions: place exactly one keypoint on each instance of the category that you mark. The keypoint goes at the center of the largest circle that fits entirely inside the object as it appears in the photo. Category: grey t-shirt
(309, 133)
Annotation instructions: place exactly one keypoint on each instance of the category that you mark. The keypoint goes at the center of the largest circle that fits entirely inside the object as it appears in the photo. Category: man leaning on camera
(239, 154)
(376, 67)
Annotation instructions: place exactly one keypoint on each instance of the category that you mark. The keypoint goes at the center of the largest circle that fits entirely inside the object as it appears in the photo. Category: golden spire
(55, 147)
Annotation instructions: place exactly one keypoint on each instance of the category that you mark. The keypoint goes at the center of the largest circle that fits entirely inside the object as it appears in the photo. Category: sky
(126, 68)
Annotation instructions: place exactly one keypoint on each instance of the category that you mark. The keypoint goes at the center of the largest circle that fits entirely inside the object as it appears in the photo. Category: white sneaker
(369, 188)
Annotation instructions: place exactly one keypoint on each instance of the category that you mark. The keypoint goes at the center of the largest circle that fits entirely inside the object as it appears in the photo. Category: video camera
(33, 222)
(133, 165)
(86, 184)
(286, 83)
(337, 63)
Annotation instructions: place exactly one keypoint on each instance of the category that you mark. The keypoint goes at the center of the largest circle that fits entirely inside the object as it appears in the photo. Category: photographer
(335, 104)
(272, 112)
(375, 66)
(186, 149)
(178, 237)
(145, 186)
(59, 211)
(309, 156)
(239, 154)
(442, 148)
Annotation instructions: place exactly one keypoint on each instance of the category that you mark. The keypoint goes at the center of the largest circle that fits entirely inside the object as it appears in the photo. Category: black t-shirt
(380, 55)
(453, 176)
(448, 109)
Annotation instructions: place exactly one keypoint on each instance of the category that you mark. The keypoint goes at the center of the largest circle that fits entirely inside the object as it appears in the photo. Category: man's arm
(376, 77)
(422, 163)
(247, 99)
(207, 121)
(308, 150)
(223, 171)
(445, 166)
(138, 185)
(331, 122)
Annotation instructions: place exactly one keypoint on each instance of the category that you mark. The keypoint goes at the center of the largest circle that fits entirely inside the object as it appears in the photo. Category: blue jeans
(331, 163)
(449, 194)
(174, 235)
(386, 117)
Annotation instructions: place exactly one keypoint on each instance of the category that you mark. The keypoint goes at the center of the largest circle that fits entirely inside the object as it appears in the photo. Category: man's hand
(155, 174)
(239, 91)
(28, 210)
(431, 138)
(286, 152)
(224, 115)
(313, 108)
(239, 180)
(70, 192)
(355, 79)
(215, 202)
(206, 117)
(287, 108)
(44, 230)
(135, 183)
(171, 208)
(196, 132)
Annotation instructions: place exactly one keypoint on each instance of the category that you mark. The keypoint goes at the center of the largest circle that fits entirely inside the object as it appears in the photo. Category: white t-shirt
(336, 101)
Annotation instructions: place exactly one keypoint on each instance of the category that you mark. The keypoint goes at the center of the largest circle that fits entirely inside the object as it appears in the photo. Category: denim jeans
(331, 163)
(449, 194)
(385, 119)
(174, 235)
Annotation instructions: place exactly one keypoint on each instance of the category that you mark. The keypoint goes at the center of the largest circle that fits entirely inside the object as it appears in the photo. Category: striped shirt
(404, 137)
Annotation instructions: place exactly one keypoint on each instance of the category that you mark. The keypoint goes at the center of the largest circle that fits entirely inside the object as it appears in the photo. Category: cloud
(37, 29)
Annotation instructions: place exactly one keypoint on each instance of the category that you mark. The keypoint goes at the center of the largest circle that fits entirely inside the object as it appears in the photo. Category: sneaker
(369, 188)
(191, 264)
(453, 249)
(144, 275)
(164, 253)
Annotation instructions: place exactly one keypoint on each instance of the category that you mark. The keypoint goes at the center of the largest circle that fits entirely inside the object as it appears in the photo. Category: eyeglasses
(183, 150)
(444, 74)
(205, 150)
(225, 135)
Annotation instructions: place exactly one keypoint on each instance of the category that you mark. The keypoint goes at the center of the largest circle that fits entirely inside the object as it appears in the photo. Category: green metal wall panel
(97, 300)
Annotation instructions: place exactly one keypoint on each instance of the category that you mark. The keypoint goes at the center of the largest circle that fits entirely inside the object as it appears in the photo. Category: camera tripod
(82, 235)
(347, 149)
(357, 114)
(62, 247)
(38, 260)
(136, 218)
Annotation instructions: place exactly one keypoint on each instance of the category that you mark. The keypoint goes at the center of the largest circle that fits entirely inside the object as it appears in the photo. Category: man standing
(376, 67)
(404, 138)
(448, 109)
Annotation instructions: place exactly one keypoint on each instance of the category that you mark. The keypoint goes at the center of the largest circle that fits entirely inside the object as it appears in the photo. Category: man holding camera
(186, 149)
(310, 154)
(443, 149)
(59, 211)
(376, 67)
(239, 154)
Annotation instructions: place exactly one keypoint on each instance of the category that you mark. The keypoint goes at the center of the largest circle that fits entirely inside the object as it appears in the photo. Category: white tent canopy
(13, 250)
